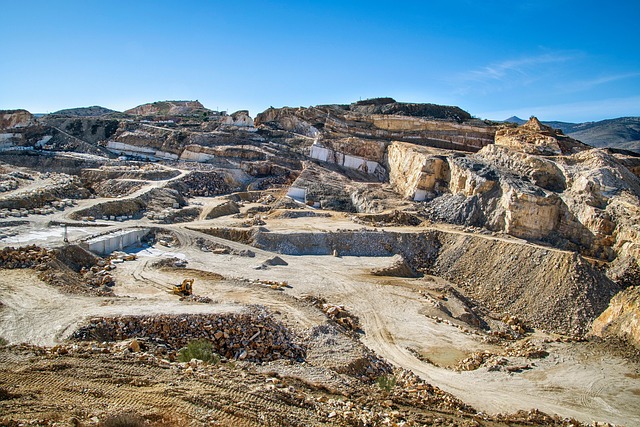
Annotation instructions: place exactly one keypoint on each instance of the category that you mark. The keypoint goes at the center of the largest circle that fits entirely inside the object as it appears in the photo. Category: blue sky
(559, 60)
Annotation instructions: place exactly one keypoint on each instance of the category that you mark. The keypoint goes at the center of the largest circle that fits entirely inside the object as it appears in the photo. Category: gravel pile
(252, 336)
(201, 184)
(25, 257)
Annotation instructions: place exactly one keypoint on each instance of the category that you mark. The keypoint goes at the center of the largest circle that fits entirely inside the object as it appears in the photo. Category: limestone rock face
(241, 118)
(529, 213)
(15, 119)
(471, 177)
(540, 171)
(416, 170)
(602, 200)
(587, 201)
(622, 318)
(535, 138)
(298, 120)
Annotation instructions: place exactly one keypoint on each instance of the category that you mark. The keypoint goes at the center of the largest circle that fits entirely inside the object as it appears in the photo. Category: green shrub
(386, 382)
(201, 349)
(3, 342)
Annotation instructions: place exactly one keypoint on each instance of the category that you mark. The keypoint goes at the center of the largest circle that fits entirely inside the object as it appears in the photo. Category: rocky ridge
(168, 108)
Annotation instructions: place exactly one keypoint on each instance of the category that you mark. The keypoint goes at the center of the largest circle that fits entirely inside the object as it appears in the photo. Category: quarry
(372, 264)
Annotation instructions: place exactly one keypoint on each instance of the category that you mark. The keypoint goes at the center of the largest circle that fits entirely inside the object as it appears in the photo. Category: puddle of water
(444, 356)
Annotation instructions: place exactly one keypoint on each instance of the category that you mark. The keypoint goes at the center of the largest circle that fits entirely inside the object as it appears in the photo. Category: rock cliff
(622, 318)
(534, 183)
(535, 138)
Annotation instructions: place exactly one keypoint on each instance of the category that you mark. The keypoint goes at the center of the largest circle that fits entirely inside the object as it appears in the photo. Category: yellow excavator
(185, 288)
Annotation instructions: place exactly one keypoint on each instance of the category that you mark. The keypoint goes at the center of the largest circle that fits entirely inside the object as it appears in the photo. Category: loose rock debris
(253, 335)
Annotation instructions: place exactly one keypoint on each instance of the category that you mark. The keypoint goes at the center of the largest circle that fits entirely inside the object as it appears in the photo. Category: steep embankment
(549, 289)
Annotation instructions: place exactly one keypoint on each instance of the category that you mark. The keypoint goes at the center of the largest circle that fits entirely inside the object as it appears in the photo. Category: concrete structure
(117, 241)
(298, 193)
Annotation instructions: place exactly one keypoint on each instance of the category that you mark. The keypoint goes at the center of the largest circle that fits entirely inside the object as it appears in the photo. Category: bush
(3, 342)
(199, 349)
(386, 382)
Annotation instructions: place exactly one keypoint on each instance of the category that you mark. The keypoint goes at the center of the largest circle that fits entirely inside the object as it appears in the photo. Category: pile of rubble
(515, 324)
(25, 257)
(272, 284)
(253, 335)
(7, 183)
(116, 188)
(174, 214)
(52, 189)
(196, 298)
(99, 276)
(219, 249)
(520, 350)
(337, 313)
(395, 218)
(202, 184)
(399, 268)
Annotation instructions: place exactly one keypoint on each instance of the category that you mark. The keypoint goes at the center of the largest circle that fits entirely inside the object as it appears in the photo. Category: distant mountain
(94, 111)
(622, 133)
(515, 119)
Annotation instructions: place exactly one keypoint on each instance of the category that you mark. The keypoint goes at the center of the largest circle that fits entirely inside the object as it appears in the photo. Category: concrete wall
(104, 245)
(297, 193)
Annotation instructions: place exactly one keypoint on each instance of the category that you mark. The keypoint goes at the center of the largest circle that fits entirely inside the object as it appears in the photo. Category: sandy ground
(573, 381)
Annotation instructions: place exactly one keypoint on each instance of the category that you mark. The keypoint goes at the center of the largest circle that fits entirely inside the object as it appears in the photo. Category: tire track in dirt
(103, 385)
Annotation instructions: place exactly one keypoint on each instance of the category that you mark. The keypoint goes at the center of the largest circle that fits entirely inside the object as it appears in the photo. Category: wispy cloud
(520, 66)
(581, 85)
(510, 72)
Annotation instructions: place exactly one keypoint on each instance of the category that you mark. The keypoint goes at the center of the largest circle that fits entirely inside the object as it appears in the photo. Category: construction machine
(185, 288)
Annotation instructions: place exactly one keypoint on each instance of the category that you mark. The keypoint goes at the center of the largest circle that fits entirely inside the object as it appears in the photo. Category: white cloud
(510, 72)
(507, 68)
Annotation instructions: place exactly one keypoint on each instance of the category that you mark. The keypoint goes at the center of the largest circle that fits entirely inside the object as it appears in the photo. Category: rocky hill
(168, 108)
(94, 111)
(621, 133)
(15, 119)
